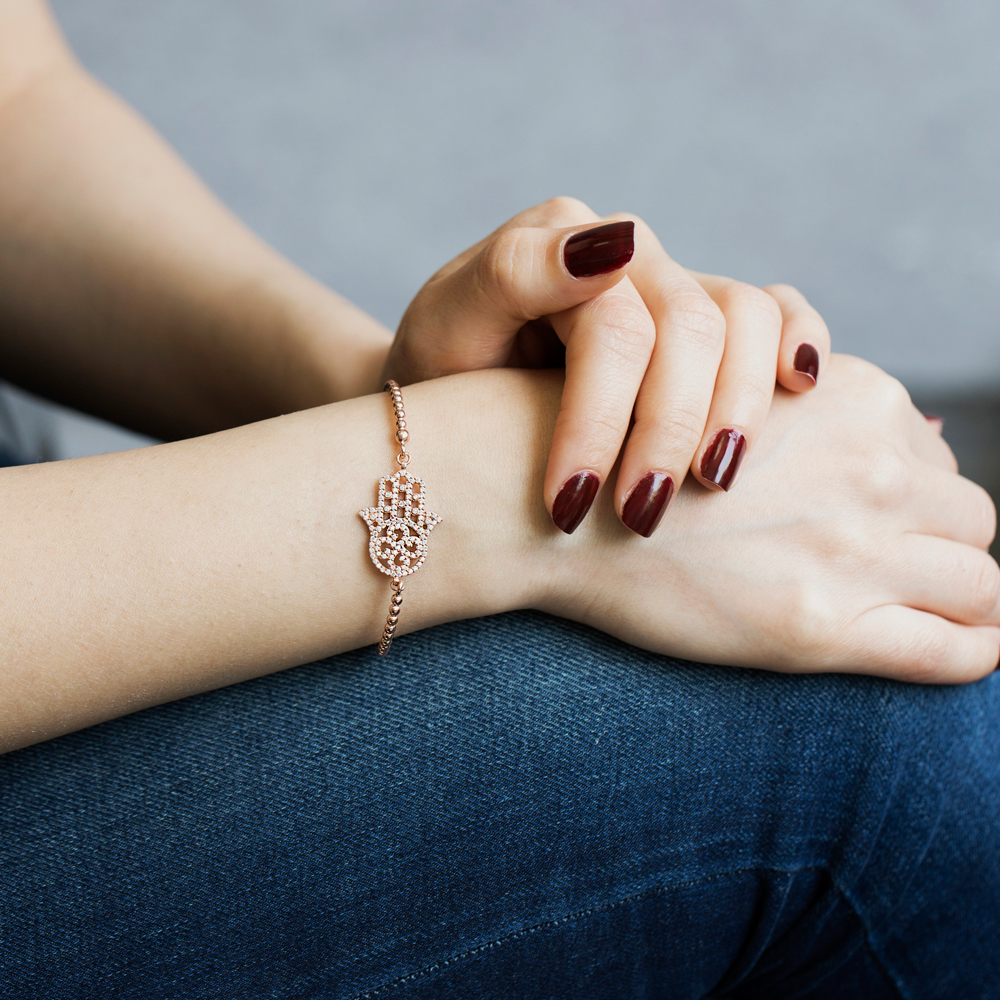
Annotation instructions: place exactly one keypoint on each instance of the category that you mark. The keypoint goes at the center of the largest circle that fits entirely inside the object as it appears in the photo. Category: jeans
(513, 807)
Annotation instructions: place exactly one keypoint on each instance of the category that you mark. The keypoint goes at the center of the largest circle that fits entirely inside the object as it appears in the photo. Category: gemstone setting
(399, 525)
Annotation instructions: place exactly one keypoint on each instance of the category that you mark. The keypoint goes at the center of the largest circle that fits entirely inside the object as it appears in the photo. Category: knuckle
(605, 425)
(563, 210)
(629, 330)
(919, 653)
(984, 590)
(881, 476)
(973, 670)
(892, 395)
(782, 288)
(626, 217)
(681, 426)
(952, 466)
(811, 621)
(753, 302)
(931, 659)
(861, 370)
(501, 264)
(862, 381)
(644, 234)
(931, 655)
(753, 386)
(817, 325)
(700, 321)
(841, 542)
(983, 517)
(805, 321)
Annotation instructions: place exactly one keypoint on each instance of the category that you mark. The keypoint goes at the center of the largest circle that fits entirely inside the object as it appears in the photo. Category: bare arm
(126, 289)
(131, 579)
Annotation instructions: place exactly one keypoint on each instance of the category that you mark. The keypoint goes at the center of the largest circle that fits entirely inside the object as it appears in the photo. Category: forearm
(132, 579)
(127, 290)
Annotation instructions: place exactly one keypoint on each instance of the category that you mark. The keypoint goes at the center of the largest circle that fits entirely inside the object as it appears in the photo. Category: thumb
(469, 318)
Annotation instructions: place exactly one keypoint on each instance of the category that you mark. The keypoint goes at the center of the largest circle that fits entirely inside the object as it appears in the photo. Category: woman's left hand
(692, 357)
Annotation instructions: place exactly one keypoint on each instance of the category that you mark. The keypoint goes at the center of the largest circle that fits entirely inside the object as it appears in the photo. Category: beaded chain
(400, 522)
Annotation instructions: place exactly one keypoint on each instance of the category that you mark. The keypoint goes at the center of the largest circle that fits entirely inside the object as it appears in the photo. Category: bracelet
(399, 524)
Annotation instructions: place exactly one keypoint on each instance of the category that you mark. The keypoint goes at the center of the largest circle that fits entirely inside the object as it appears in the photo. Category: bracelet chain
(400, 524)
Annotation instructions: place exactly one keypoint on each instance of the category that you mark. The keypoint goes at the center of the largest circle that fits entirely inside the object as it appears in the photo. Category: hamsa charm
(399, 525)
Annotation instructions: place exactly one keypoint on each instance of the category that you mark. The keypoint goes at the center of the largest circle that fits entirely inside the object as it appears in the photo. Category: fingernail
(722, 460)
(931, 419)
(574, 500)
(600, 250)
(807, 361)
(647, 503)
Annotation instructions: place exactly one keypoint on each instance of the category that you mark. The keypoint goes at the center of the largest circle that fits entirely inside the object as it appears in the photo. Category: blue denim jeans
(514, 807)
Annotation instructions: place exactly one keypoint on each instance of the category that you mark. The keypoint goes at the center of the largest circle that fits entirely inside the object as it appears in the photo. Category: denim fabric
(514, 807)
(7, 456)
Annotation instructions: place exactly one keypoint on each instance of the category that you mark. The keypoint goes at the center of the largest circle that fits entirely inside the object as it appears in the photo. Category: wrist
(480, 442)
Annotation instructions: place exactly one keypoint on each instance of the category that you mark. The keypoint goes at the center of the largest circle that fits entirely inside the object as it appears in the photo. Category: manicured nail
(807, 361)
(600, 250)
(938, 422)
(574, 500)
(722, 460)
(647, 503)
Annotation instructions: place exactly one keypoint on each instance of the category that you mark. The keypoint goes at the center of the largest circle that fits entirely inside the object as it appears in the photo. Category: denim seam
(866, 932)
(570, 917)
(662, 859)
(765, 944)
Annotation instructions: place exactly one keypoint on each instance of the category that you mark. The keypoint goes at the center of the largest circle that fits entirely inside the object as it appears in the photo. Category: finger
(745, 384)
(928, 444)
(555, 213)
(519, 275)
(805, 340)
(608, 341)
(956, 581)
(911, 645)
(950, 507)
(676, 393)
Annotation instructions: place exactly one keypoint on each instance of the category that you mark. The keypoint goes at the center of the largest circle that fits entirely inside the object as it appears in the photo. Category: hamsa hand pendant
(399, 525)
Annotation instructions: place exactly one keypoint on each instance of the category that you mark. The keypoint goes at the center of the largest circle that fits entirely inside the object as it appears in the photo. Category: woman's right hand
(852, 545)
(666, 370)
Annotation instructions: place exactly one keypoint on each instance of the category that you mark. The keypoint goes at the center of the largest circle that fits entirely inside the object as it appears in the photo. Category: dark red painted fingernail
(807, 361)
(574, 500)
(600, 250)
(723, 458)
(647, 503)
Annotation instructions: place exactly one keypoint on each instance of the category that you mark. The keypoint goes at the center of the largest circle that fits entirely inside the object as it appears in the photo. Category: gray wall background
(847, 146)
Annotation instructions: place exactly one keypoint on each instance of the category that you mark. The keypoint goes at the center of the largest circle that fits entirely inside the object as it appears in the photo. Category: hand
(851, 545)
(693, 356)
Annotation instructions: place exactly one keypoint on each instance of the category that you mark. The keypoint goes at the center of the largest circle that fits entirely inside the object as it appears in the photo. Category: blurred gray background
(851, 148)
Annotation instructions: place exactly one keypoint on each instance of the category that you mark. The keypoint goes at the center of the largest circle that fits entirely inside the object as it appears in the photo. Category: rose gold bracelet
(400, 524)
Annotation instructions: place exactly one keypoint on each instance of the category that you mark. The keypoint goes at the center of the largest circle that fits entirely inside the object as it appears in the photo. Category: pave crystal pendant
(399, 525)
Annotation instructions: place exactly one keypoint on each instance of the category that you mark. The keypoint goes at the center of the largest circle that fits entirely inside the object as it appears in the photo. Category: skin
(126, 289)
(851, 544)
(684, 355)
(873, 548)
